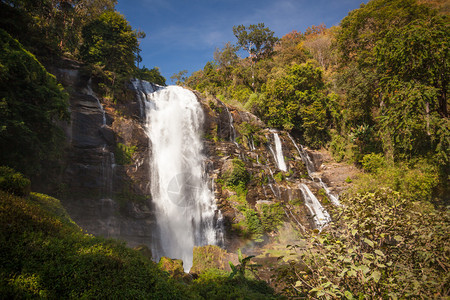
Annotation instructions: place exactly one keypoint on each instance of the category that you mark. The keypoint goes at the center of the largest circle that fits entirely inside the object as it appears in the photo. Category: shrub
(124, 154)
(238, 175)
(13, 182)
(43, 257)
(372, 162)
(381, 246)
(272, 216)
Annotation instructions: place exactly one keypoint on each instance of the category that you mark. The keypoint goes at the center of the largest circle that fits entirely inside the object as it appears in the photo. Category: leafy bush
(417, 182)
(217, 284)
(13, 182)
(381, 246)
(43, 256)
(124, 154)
(238, 175)
(31, 101)
(372, 162)
(272, 216)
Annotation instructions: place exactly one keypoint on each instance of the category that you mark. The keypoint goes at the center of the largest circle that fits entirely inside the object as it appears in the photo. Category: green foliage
(393, 77)
(110, 42)
(253, 223)
(295, 101)
(238, 175)
(152, 75)
(243, 266)
(44, 256)
(13, 182)
(257, 40)
(381, 246)
(123, 154)
(51, 205)
(272, 216)
(216, 284)
(413, 60)
(179, 77)
(416, 182)
(372, 162)
(206, 258)
(31, 101)
(340, 148)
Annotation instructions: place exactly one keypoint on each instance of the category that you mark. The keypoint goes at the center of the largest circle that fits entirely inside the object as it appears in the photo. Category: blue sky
(183, 34)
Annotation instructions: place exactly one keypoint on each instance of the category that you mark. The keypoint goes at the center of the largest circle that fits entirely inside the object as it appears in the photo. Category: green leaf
(398, 238)
(348, 295)
(379, 252)
(368, 242)
(376, 275)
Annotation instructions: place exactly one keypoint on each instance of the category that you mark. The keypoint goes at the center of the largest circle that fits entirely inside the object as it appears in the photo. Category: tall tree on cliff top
(257, 40)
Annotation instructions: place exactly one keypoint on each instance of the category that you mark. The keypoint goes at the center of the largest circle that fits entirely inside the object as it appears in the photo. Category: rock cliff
(104, 182)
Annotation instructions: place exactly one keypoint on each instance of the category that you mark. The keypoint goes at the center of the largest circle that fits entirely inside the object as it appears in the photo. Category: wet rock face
(102, 196)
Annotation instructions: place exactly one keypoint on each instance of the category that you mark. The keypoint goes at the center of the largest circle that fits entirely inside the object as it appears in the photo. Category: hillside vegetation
(373, 91)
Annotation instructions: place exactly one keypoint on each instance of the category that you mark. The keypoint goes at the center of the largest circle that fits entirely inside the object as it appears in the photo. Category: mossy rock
(172, 266)
(209, 257)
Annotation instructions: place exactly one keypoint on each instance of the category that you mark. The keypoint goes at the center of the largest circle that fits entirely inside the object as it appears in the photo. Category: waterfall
(185, 210)
(320, 215)
(305, 157)
(108, 161)
(232, 129)
(278, 154)
(310, 169)
(334, 199)
(88, 90)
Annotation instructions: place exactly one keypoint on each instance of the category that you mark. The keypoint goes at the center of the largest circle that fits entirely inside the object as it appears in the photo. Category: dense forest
(373, 91)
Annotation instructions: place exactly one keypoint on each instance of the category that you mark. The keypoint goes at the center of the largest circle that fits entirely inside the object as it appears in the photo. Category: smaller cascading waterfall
(320, 215)
(142, 88)
(232, 129)
(88, 90)
(334, 199)
(185, 210)
(278, 153)
(310, 169)
(108, 161)
(304, 156)
(271, 181)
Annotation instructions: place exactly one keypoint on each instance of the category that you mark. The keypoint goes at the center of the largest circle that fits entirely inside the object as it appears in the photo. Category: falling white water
(186, 214)
(279, 157)
(108, 161)
(310, 168)
(320, 215)
(232, 130)
(305, 157)
(334, 199)
(88, 90)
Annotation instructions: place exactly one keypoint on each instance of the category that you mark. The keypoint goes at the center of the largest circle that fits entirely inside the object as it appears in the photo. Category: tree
(152, 75)
(414, 64)
(31, 101)
(109, 42)
(257, 40)
(226, 57)
(179, 77)
(295, 101)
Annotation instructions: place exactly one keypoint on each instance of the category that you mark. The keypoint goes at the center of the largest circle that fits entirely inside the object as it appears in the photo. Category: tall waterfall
(185, 210)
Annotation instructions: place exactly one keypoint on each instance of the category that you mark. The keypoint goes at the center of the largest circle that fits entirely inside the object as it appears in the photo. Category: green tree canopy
(31, 101)
(257, 40)
(110, 42)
